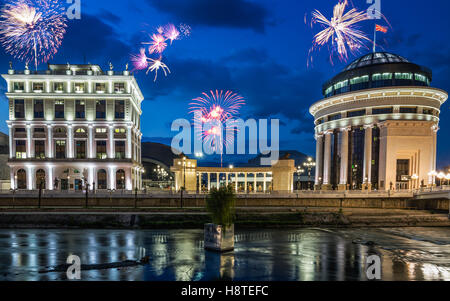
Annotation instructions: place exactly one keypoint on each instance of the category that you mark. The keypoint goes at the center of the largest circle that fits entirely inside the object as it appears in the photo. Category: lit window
(358, 80)
(100, 87)
(407, 76)
(38, 87)
(18, 86)
(119, 87)
(79, 87)
(341, 85)
(21, 152)
(59, 87)
(119, 131)
(80, 130)
(100, 130)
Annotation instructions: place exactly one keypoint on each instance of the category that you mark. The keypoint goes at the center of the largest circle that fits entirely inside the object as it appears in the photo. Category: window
(341, 87)
(119, 87)
(359, 83)
(20, 130)
(21, 179)
(80, 109)
(329, 91)
(39, 130)
(408, 110)
(120, 150)
(80, 149)
(79, 87)
(21, 151)
(100, 109)
(381, 80)
(356, 113)
(38, 87)
(379, 111)
(60, 149)
(407, 76)
(39, 149)
(428, 111)
(80, 131)
(100, 87)
(19, 108)
(59, 87)
(119, 131)
(120, 179)
(101, 179)
(100, 130)
(40, 179)
(402, 169)
(59, 109)
(60, 130)
(18, 86)
(334, 117)
(101, 150)
(120, 109)
(38, 108)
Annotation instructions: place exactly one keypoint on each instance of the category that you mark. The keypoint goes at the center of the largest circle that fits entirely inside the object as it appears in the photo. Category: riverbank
(245, 218)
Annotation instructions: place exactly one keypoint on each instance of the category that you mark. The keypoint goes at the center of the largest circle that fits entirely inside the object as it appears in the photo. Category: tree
(220, 203)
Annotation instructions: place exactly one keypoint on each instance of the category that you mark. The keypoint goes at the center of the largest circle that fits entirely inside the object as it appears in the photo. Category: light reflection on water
(292, 255)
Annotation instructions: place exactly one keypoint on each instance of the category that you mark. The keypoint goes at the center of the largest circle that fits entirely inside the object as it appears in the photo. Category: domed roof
(376, 70)
(376, 59)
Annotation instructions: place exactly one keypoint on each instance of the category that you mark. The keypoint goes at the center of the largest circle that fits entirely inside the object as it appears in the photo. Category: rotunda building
(376, 126)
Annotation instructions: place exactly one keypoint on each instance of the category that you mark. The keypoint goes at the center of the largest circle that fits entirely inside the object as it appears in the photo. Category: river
(263, 255)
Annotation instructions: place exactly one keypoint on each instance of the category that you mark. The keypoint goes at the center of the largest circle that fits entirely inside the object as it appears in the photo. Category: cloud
(92, 40)
(217, 13)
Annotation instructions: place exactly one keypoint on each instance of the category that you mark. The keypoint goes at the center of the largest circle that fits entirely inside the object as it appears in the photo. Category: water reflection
(293, 255)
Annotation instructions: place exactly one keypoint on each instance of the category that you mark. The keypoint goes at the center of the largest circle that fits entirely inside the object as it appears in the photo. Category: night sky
(256, 48)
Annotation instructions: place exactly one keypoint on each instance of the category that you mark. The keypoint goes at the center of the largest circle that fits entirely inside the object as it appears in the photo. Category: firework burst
(157, 45)
(341, 31)
(211, 112)
(171, 33)
(32, 30)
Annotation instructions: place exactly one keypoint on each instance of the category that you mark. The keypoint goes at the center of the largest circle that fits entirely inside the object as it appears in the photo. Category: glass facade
(356, 155)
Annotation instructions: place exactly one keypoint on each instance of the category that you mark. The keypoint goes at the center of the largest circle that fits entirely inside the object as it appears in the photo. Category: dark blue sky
(257, 48)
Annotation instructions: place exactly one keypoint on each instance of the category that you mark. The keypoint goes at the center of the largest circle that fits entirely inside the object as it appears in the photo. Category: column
(29, 139)
(367, 157)
(112, 178)
(319, 160)
(199, 182)
(11, 146)
(327, 162)
(236, 181)
(128, 147)
(49, 174)
(70, 145)
(208, 180)
(50, 141)
(218, 180)
(13, 178)
(254, 182)
(265, 183)
(245, 183)
(110, 143)
(344, 159)
(30, 178)
(434, 130)
(91, 153)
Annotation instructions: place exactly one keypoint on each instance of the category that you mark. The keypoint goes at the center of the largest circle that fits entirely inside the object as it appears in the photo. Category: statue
(26, 66)
(10, 65)
(126, 67)
(68, 66)
(111, 67)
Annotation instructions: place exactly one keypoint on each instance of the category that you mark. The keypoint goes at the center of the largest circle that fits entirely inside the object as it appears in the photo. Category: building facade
(72, 127)
(277, 178)
(376, 126)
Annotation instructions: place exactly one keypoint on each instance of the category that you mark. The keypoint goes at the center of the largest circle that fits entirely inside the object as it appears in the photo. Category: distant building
(73, 125)
(376, 126)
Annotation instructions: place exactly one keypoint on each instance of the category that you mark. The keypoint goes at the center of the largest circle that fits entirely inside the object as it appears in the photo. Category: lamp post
(447, 177)
(433, 175)
(184, 182)
(300, 171)
(309, 165)
(440, 176)
(414, 177)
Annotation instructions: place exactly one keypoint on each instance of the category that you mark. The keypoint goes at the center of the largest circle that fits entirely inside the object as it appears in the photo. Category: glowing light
(341, 31)
(171, 33)
(157, 45)
(211, 111)
(32, 30)
(155, 65)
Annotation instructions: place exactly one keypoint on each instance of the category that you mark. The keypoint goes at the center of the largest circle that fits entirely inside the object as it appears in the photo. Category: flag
(381, 28)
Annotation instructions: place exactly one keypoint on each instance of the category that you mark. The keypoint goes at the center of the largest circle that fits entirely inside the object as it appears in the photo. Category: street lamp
(309, 164)
(300, 171)
(433, 175)
(447, 177)
(414, 177)
(440, 176)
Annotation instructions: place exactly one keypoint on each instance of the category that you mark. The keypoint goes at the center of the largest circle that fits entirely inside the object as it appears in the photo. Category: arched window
(80, 131)
(21, 179)
(120, 179)
(101, 179)
(60, 130)
(40, 179)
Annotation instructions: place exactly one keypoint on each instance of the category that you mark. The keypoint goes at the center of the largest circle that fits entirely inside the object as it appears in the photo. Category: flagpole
(374, 39)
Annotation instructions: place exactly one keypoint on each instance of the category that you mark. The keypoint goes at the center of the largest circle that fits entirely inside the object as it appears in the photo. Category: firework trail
(185, 29)
(158, 44)
(32, 30)
(211, 111)
(341, 31)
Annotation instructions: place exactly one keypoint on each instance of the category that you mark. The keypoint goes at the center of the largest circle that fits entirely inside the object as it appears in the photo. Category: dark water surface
(289, 254)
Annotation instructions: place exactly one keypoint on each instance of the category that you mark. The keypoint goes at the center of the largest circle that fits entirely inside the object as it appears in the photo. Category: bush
(220, 203)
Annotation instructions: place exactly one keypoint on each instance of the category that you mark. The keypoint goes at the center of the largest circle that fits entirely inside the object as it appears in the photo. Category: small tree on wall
(220, 203)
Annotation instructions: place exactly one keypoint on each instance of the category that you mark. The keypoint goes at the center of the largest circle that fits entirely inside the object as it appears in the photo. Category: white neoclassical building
(376, 126)
(73, 126)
